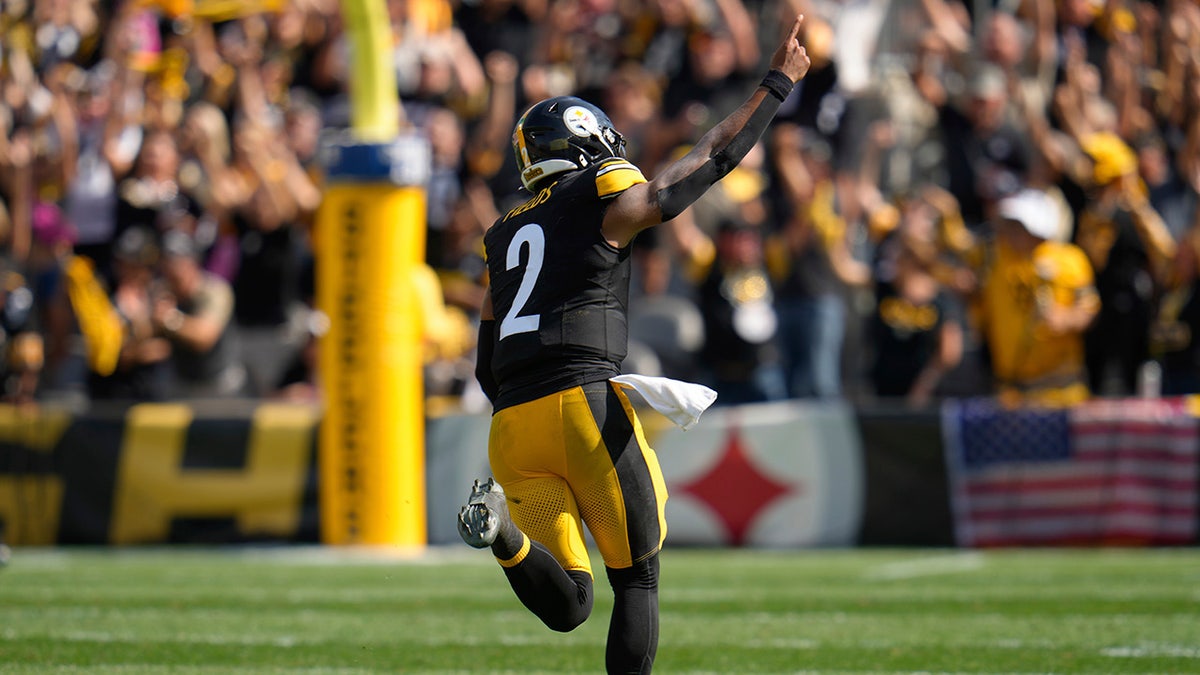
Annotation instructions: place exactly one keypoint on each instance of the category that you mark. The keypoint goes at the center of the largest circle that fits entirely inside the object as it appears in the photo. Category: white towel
(681, 402)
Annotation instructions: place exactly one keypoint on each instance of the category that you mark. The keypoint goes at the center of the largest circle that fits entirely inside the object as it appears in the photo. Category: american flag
(1106, 472)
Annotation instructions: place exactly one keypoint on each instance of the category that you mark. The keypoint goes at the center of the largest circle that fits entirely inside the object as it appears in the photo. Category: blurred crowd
(959, 199)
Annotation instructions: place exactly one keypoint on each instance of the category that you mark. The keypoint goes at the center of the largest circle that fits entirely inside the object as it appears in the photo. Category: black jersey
(559, 290)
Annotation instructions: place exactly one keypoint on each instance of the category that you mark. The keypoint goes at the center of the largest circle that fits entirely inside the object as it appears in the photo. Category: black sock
(509, 542)
(562, 599)
(633, 631)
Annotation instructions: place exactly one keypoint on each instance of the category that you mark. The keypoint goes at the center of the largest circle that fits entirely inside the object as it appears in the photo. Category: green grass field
(315, 610)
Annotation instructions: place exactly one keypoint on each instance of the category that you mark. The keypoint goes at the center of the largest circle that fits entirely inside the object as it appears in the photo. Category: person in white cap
(1036, 300)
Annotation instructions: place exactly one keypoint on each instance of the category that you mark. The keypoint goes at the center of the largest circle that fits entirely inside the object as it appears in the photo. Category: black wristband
(778, 84)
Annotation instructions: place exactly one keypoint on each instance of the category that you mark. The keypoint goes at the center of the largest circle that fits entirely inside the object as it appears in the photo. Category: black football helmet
(560, 134)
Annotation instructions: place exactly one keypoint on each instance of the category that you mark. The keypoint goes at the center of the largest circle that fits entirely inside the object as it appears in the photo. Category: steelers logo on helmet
(581, 122)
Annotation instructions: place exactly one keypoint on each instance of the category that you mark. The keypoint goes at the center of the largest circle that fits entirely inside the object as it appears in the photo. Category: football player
(565, 443)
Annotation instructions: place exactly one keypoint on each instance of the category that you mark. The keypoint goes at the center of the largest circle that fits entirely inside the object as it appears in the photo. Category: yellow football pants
(580, 457)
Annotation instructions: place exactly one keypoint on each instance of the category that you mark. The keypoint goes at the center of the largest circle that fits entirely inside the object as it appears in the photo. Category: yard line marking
(156, 667)
(783, 643)
(1017, 643)
(107, 637)
(286, 641)
(1147, 651)
(548, 640)
(926, 566)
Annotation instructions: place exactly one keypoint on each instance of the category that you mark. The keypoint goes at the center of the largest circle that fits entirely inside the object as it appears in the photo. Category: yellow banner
(370, 242)
(154, 486)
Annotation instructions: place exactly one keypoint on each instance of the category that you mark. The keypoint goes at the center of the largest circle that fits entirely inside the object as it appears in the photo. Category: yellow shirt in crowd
(1026, 355)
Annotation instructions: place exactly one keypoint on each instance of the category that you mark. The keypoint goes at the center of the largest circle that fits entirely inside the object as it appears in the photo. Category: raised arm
(714, 156)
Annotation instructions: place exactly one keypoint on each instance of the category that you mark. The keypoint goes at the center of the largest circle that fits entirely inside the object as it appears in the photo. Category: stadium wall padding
(795, 474)
(159, 473)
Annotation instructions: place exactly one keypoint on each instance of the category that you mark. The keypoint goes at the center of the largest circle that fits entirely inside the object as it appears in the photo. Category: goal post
(369, 245)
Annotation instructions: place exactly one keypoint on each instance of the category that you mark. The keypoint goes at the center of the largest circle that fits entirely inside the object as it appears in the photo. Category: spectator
(216, 191)
(64, 31)
(987, 157)
(633, 99)
(659, 34)
(819, 265)
(1130, 249)
(710, 73)
(194, 311)
(108, 146)
(490, 139)
(152, 189)
(719, 52)
(435, 64)
(16, 183)
(1079, 31)
(141, 372)
(917, 325)
(461, 269)
(502, 25)
(580, 38)
(280, 197)
(740, 356)
(49, 258)
(1169, 193)
(1036, 300)
(22, 349)
(302, 124)
(444, 188)
(1023, 48)
(300, 381)
(1175, 334)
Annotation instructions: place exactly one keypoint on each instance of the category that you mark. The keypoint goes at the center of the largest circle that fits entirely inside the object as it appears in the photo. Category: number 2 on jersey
(532, 236)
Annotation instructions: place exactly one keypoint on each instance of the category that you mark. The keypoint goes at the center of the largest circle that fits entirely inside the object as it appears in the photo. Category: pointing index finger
(796, 27)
